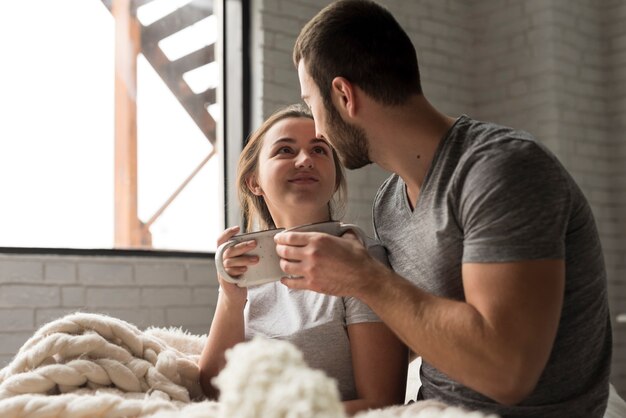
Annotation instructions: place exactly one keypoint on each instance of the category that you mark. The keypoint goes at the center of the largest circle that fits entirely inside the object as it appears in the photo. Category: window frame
(233, 98)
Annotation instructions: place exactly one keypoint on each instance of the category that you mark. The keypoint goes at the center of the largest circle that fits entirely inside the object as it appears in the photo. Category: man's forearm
(450, 335)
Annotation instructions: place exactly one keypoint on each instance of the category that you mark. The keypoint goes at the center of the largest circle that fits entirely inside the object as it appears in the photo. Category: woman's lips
(304, 180)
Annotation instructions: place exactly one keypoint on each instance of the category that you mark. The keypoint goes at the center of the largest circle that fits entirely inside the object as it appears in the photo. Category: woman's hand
(235, 263)
(227, 327)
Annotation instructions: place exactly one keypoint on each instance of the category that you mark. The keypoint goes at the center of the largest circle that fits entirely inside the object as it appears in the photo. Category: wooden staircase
(171, 72)
(131, 39)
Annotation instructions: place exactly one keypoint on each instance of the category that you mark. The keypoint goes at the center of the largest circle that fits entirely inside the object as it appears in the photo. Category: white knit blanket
(92, 365)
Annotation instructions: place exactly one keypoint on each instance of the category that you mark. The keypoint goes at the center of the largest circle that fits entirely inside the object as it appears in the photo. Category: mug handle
(343, 228)
(219, 263)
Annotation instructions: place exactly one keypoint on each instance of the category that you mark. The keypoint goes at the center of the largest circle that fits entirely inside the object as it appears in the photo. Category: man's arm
(496, 342)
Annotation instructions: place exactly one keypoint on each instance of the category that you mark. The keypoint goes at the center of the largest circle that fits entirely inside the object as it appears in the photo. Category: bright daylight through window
(85, 83)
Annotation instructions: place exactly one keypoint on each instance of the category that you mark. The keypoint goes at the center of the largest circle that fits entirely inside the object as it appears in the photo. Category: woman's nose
(304, 160)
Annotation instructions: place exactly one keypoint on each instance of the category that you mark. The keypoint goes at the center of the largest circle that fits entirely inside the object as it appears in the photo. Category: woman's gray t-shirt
(493, 194)
(313, 322)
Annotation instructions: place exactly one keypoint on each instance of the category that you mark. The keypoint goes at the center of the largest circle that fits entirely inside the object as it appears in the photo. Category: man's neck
(404, 140)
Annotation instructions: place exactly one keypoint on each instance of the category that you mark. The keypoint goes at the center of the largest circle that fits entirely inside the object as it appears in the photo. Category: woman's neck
(289, 220)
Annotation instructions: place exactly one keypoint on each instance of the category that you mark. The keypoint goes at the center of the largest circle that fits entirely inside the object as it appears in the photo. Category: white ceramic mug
(268, 267)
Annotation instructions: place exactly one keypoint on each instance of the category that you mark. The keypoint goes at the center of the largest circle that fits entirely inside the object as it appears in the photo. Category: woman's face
(296, 173)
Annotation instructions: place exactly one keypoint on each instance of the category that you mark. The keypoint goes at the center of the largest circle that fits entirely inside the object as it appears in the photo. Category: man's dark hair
(361, 41)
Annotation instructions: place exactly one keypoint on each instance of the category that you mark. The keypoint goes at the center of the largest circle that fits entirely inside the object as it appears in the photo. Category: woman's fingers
(239, 249)
(227, 234)
(236, 261)
(235, 271)
(241, 261)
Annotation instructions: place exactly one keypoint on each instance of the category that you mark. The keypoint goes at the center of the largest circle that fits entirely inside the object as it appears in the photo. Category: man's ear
(253, 186)
(343, 94)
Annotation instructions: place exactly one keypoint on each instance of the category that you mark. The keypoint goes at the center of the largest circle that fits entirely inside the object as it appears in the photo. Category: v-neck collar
(433, 164)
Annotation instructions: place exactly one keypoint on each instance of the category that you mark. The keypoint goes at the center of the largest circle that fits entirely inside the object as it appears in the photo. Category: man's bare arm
(498, 341)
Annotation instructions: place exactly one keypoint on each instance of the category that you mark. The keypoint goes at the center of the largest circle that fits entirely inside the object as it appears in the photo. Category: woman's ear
(342, 92)
(254, 187)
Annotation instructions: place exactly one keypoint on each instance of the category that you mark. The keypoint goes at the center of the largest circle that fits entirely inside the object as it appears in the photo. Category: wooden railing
(132, 39)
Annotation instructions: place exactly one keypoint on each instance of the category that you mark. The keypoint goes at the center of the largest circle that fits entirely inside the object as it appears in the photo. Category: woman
(288, 177)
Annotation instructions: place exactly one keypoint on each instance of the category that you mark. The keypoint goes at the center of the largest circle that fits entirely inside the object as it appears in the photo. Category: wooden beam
(177, 20)
(202, 56)
(128, 228)
(135, 4)
(195, 104)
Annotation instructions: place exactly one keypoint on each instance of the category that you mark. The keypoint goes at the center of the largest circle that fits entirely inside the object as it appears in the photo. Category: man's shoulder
(497, 150)
(387, 190)
(476, 134)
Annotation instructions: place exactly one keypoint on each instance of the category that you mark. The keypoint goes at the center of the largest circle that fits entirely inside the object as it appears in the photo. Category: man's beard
(350, 141)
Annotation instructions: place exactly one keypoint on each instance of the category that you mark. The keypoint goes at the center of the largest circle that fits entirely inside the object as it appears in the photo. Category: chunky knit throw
(92, 365)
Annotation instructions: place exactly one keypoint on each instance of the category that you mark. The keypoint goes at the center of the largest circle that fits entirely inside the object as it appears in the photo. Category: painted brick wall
(615, 244)
(556, 69)
(160, 292)
(552, 68)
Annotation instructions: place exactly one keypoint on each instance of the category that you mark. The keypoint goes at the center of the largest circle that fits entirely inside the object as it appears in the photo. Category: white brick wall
(615, 214)
(561, 64)
(35, 289)
(554, 68)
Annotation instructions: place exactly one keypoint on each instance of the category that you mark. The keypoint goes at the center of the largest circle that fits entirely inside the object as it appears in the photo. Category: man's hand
(338, 266)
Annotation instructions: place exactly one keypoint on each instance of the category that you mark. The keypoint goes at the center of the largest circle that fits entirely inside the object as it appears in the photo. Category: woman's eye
(320, 150)
(284, 150)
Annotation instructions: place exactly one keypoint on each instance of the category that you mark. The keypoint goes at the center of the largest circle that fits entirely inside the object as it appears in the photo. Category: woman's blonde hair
(253, 207)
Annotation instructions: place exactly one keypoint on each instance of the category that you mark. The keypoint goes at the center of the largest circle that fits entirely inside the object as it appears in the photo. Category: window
(72, 90)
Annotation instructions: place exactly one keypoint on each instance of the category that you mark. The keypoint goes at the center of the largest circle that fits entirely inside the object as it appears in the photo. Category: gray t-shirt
(492, 195)
(313, 322)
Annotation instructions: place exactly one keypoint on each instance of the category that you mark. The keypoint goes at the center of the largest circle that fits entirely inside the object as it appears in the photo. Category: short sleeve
(514, 204)
(357, 311)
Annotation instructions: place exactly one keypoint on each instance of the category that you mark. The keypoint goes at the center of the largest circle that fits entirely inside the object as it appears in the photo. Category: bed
(92, 365)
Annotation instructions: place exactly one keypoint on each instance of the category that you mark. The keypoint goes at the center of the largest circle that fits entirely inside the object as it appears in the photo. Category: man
(499, 281)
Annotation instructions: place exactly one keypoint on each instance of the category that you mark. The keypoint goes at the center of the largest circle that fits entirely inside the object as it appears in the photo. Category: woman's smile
(304, 179)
